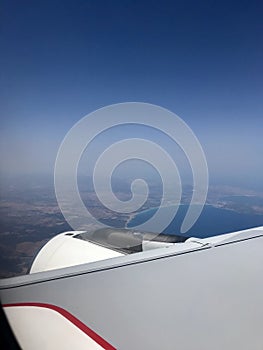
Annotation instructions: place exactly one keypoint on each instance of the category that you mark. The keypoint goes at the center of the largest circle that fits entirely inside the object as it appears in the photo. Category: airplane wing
(146, 293)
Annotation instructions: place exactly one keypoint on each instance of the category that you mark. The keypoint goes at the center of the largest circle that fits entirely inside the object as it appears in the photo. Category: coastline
(130, 218)
(204, 226)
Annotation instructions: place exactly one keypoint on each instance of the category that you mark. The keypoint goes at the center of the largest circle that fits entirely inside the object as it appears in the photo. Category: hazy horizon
(202, 61)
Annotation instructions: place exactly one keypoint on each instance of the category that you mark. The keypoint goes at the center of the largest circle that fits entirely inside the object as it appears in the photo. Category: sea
(212, 221)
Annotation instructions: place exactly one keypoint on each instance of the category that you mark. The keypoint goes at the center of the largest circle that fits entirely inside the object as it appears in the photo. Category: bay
(212, 221)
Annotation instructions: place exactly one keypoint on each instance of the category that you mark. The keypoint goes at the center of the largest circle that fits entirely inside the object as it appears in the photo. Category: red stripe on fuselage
(98, 339)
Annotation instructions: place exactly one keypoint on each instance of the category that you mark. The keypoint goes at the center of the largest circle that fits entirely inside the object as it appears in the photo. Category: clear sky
(60, 60)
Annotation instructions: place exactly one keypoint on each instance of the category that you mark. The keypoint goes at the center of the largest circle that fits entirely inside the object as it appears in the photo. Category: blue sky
(63, 59)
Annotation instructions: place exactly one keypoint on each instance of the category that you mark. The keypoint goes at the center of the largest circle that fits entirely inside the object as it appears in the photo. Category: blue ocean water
(212, 221)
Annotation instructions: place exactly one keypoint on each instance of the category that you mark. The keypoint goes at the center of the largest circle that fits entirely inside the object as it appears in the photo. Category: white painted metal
(41, 328)
(63, 251)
